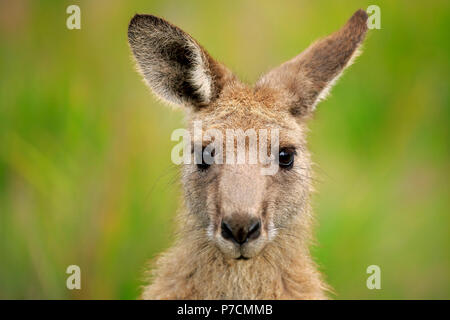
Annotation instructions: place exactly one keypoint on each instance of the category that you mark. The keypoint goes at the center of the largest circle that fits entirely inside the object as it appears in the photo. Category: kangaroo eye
(286, 158)
(205, 159)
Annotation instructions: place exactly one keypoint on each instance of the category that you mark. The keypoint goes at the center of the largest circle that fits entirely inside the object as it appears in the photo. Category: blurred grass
(85, 170)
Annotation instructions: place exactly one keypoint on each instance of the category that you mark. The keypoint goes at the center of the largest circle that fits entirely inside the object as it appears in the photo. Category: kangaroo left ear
(173, 64)
(308, 77)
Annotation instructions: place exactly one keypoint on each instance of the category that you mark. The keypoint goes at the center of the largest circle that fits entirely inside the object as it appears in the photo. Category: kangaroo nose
(239, 231)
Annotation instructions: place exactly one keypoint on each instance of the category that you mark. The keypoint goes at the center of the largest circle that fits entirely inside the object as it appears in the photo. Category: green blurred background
(85, 170)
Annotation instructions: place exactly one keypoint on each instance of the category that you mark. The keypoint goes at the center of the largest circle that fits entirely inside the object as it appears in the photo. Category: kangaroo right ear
(173, 64)
(308, 77)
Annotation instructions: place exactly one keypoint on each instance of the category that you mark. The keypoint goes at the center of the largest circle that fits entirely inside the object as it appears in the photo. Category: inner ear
(173, 64)
(182, 81)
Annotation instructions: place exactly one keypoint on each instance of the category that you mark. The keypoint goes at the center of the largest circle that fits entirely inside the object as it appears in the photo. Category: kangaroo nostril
(227, 233)
(241, 232)
(255, 230)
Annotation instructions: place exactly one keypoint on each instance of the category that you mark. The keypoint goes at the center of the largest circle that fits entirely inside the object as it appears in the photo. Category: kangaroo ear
(173, 64)
(308, 77)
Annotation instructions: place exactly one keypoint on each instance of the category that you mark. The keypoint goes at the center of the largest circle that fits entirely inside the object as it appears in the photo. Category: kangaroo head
(239, 208)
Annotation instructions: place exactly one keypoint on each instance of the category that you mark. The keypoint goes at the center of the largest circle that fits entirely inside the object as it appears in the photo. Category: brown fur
(202, 264)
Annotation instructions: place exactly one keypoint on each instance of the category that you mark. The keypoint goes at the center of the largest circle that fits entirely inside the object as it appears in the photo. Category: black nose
(240, 231)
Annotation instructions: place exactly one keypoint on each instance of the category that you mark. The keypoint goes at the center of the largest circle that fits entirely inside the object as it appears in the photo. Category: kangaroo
(242, 234)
